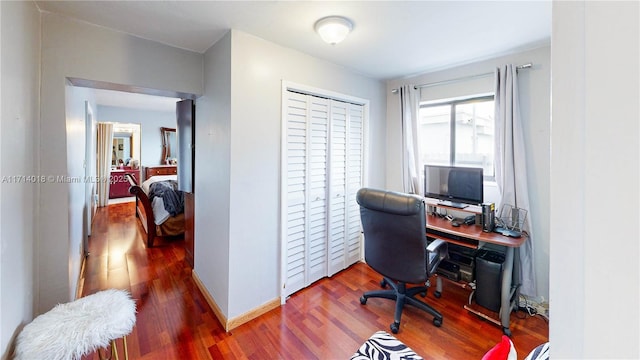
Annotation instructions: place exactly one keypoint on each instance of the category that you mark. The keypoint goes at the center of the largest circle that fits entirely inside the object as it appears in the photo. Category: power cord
(527, 308)
(436, 212)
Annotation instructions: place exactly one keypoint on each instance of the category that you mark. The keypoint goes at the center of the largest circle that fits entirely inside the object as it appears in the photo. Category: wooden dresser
(119, 185)
(150, 171)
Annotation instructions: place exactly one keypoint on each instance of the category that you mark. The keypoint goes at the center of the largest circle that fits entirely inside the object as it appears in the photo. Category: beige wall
(20, 74)
(595, 191)
(75, 126)
(212, 180)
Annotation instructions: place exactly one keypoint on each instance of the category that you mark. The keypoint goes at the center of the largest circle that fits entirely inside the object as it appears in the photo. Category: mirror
(169, 146)
(126, 144)
(121, 149)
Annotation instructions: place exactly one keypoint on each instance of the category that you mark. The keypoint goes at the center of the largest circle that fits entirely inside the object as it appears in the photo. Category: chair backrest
(395, 238)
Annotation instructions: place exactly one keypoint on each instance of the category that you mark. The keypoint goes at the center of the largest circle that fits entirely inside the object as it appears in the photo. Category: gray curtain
(409, 100)
(510, 164)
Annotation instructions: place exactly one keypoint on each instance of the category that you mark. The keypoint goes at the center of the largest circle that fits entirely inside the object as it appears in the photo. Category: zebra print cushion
(382, 345)
(539, 353)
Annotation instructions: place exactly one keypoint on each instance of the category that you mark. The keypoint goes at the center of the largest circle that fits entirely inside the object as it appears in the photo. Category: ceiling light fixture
(333, 29)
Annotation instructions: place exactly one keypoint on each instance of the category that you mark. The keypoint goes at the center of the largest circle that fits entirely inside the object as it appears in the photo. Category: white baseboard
(81, 278)
(233, 323)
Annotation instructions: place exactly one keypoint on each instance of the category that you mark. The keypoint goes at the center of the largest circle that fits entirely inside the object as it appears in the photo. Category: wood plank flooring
(324, 321)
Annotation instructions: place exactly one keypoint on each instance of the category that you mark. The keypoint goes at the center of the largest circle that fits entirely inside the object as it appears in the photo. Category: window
(458, 132)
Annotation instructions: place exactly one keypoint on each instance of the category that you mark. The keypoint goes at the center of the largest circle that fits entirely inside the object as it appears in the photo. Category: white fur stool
(71, 330)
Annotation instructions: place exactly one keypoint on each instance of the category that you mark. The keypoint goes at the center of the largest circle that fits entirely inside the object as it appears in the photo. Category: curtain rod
(443, 82)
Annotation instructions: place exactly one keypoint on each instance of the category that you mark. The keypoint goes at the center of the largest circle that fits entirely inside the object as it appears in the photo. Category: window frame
(452, 123)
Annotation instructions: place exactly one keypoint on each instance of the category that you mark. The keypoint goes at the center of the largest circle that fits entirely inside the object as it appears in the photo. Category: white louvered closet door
(317, 184)
(337, 186)
(294, 206)
(355, 152)
(307, 130)
(345, 180)
(323, 171)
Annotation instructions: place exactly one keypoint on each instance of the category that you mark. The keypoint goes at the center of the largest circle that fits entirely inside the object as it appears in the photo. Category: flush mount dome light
(333, 29)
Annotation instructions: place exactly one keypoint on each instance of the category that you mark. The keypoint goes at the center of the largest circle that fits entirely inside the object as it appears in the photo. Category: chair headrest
(389, 201)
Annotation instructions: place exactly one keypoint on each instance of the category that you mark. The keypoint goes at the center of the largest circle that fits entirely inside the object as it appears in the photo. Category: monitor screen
(454, 184)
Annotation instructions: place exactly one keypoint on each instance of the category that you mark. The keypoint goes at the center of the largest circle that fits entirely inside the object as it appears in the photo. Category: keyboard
(448, 236)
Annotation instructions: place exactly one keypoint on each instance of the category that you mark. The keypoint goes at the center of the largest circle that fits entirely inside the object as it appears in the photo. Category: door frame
(89, 161)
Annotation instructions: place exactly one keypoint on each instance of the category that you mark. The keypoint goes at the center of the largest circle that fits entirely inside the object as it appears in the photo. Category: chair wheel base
(437, 294)
(394, 327)
(437, 322)
(363, 300)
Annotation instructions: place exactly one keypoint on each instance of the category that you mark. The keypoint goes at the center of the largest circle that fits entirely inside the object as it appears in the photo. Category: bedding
(173, 199)
(173, 226)
(166, 199)
(159, 206)
(160, 214)
(147, 183)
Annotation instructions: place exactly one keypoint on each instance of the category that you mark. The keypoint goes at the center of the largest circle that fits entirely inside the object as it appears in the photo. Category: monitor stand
(452, 204)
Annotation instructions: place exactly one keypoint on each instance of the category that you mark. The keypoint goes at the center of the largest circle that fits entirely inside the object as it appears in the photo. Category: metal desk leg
(505, 294)
(517, 279)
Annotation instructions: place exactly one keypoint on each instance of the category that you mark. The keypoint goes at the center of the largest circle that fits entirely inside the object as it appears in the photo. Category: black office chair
(395, 241)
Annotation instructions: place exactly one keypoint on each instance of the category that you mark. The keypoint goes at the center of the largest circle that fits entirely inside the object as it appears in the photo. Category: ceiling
(390, 39)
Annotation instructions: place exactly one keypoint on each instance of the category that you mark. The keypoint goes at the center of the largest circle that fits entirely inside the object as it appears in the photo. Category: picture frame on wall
(120, 147)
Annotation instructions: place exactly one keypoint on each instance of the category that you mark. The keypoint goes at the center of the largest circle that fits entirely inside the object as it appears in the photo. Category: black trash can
(489, 279)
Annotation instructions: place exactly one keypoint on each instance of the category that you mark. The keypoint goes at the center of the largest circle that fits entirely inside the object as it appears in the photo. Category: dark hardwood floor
(324, 321)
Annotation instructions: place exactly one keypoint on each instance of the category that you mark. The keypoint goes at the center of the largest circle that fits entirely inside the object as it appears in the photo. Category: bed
(156, 220)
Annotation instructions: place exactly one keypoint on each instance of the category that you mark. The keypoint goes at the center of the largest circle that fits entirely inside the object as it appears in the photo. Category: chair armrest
(435, 244)
(437, 251)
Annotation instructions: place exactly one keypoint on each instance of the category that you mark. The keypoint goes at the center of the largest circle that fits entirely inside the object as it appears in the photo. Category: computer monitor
(454, 185)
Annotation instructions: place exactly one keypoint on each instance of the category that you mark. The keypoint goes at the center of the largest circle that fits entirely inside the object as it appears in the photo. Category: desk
(470, 236)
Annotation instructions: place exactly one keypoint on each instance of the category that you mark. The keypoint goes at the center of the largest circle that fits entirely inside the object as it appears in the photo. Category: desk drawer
(173, 170)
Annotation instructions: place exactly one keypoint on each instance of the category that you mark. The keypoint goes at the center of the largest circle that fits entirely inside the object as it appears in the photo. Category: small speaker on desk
(479, 219)
(488, 217)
